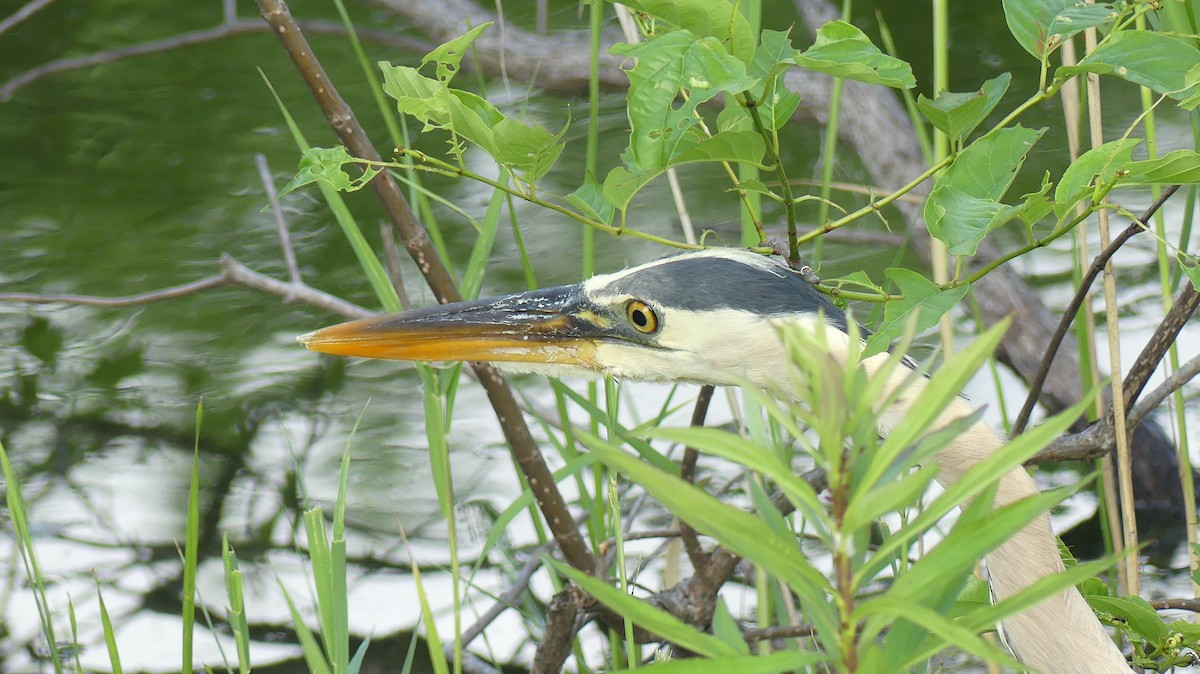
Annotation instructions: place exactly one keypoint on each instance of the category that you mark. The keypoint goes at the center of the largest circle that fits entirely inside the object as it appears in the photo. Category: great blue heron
(710, 317)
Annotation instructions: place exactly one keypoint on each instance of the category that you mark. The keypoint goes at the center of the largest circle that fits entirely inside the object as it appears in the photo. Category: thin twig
(192, 38)
(27, 10)
(415, 239)
(507, 600)
(1068, 315)
(285, 238)
(173, 292)
(687, 471)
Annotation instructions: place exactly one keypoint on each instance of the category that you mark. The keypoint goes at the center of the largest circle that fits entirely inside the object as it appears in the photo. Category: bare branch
(123, 301)
(1162, 339)
(285, 238)
(1149, 402)
(27, 10)
(220, 32)
(236, 272)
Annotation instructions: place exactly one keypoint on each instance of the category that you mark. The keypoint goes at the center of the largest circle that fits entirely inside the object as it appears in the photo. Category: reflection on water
(137, 176)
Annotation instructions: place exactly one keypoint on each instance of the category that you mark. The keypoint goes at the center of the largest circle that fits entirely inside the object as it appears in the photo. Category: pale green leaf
(965, 199)
(1029, 22)
(1096, 166)
(674, 73)
(1180, 167)
(842, 50)
(449, 55)
(957, 115)
(745, 147)
(921, 297)
(1154, 60)
(718, 19)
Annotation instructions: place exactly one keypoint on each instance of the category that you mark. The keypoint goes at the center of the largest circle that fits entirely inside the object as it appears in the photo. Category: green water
(137, 175)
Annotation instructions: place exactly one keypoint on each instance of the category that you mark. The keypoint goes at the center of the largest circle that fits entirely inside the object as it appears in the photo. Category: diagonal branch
(415, 239)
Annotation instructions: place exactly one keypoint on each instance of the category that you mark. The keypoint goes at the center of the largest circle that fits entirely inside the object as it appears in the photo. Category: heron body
(710, 317)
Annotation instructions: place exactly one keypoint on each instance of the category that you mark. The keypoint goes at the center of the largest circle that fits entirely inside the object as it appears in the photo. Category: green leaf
(889, 497)
(527, 148)
(1190, 98)
(743, 147)
(324, 164)
(741, 451)
(1181, 167)
(641, 613)
(1082, 16)
(1029, 22)
(589, 199)
(1099, 163)
(620, 185)
(921, 297)
(903, 609)
(449, 55)
(111, 369)
(1191, 268)
(1135, 611)
(957, 115)
(725, 628)
(705, 18)
(674, 74)
(841, 50)
(1033, 207)
(1154, 60)
(965, 199)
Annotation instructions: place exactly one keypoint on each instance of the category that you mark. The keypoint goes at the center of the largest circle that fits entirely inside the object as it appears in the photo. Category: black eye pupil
(639, 317)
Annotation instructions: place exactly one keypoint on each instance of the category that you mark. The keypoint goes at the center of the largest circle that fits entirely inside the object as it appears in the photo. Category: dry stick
(687, 471)
(415, 239)
(1162, 339)
(1068, 315)
(191, 38)
(285, 237)
(1099, 437)
(26, 11)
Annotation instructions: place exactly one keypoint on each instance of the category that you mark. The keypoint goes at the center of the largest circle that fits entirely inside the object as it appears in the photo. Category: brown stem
(687, 471)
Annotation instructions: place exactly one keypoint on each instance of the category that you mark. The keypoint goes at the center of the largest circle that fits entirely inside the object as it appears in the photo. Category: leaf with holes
(324, 164)
(448, 56)
(674, 74)
(705, 18)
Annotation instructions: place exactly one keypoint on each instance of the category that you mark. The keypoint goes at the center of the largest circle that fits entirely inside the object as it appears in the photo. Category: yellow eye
(641, 316)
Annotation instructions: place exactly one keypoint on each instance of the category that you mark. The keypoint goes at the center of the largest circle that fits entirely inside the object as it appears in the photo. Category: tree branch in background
(415, 239)
(227, 29)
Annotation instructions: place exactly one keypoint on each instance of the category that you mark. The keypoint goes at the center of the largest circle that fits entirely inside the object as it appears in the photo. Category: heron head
(705, 317)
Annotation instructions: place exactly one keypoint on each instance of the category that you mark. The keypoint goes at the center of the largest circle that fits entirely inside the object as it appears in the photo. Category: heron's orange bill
(543, 326)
